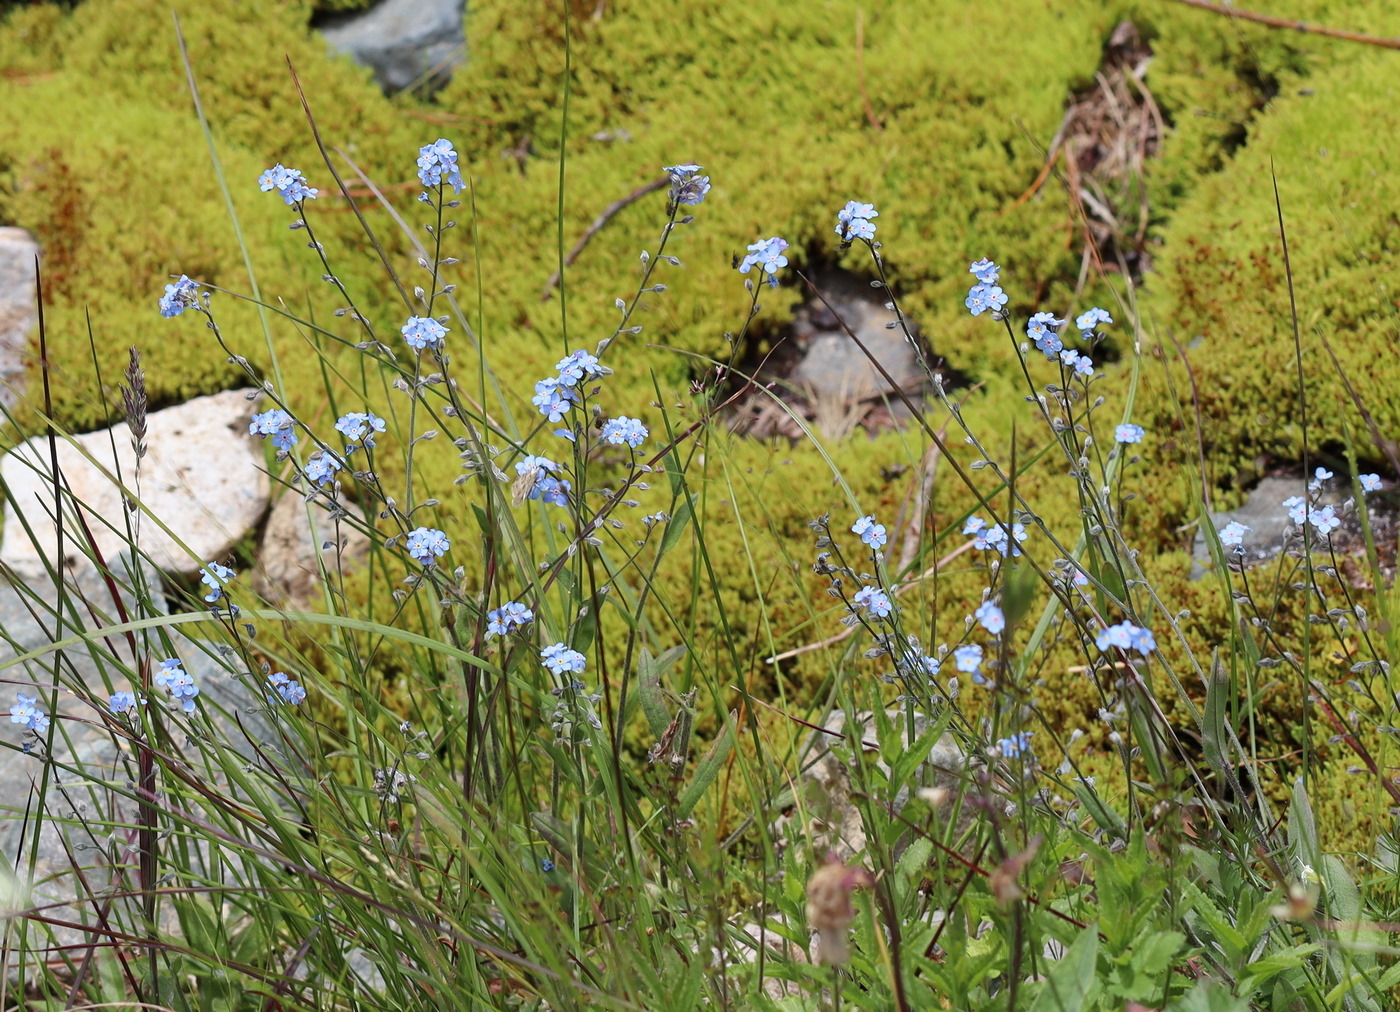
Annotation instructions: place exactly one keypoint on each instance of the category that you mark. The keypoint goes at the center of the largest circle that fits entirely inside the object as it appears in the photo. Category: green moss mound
(791, 118)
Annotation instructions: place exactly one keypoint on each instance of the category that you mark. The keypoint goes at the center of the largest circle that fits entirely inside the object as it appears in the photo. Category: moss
(771, 98)
(1222, 283)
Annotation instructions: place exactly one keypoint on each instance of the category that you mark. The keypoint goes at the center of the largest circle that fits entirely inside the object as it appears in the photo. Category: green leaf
(1302, 828)
(1070, 980)
(914, 860)
(1152, 956)
(1263, 971)
(1018, 594)
(1211, 998)
(677, 524)
(908, 759)
(1213, 731)
(708, 768)
(649, 671)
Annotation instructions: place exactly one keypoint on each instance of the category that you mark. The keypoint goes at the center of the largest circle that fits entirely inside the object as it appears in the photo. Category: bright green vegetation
(790, 119)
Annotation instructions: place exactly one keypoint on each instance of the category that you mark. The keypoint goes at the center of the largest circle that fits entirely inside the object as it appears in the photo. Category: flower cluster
(688, 187)
(555, 396)
(214, 577)
(275, 423)
(438, 161)
(870, 532)
(853, 221)
(985, 536)
(508, 617)
(986, 295)
(290, 184)
(1087, 321)
(360, 428)
(182, 295)
(768, 255)
(178, 682)
(423, 332)
(1126, 636)
(1083, 365)
(1323, 518)
(122, 702)
(427, 545)
(536, 482)
(1129, 433)
(559, 658)
(285, 688)
(874, 600)
(26, 711)
(1016, 746)
(622, 429)
(1043, 330)
(322, 467)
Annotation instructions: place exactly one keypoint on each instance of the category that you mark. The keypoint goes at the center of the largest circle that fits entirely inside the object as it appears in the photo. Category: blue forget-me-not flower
(509, 616)
(423, 332)
(688, 187)
(622, 429)
(1126, 636)
(427, 545)
(869, 531)
(559, 658)
(26, 711)
(178, 297)
(290, 184)
(438, 161)
(214, 577)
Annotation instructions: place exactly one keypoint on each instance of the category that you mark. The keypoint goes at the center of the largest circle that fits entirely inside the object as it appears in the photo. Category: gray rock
(834, 367)
(1263, 514)
(290, 575)
(17, 309)
(404, 41)
(86, 838)
(203, 478)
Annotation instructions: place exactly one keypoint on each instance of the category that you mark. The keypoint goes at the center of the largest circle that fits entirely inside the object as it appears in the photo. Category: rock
(290, 575)
(833, 366)
(404, 41)
(755, 936)
(203, 477)
(86, 829)
(826, 782)
(1264, 514)
(18, 315)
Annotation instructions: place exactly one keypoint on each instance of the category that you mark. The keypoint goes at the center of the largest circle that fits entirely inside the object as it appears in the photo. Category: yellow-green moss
(771, 97)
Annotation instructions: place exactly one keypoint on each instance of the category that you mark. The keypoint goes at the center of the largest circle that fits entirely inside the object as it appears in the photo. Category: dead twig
(928, 467)
(1298, 26)
(860, 72)
(597, 226)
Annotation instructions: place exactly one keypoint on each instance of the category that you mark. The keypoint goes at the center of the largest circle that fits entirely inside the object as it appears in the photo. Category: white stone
(18, 250)
(202, 477)
(290, 575)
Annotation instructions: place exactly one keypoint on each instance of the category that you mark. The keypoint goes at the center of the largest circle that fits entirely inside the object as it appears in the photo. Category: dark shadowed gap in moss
(812, 368)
